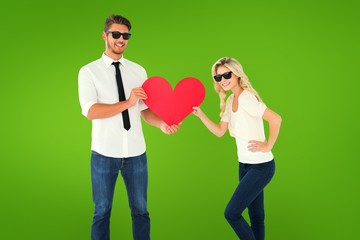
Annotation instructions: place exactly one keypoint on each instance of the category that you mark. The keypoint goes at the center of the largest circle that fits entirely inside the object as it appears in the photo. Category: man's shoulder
(94, 66)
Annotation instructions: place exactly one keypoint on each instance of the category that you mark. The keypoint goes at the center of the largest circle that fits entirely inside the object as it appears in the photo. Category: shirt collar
(108, 61)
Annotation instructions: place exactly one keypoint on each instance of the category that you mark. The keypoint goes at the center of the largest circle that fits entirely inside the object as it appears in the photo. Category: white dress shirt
(247, 124)
(97, 84)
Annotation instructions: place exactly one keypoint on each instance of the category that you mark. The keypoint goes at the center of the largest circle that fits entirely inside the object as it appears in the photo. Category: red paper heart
(173, 106)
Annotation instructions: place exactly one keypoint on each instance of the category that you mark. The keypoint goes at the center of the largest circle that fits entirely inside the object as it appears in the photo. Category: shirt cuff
(86, 107)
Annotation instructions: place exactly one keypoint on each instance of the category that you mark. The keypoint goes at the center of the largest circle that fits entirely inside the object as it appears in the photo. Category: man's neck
(113, 56)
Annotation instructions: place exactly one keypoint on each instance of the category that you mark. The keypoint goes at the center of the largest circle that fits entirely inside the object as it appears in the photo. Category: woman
(243, 115)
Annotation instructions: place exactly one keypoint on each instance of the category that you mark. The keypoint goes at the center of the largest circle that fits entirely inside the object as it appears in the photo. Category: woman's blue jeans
(104, 172)
(249, 194)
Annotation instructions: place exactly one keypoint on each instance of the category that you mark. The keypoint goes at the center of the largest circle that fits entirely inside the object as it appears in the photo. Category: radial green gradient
(302, 58)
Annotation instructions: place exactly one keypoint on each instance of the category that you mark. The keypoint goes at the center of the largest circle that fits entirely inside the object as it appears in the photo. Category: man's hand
(135, 95)
(169, 129)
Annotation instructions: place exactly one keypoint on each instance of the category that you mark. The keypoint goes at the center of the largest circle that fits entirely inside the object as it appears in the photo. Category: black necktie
(125, 113)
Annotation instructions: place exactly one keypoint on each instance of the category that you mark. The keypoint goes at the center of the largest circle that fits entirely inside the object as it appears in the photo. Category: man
(111, 96)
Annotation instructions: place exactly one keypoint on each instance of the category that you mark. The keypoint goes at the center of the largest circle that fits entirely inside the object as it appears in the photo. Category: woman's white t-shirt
(247, 124)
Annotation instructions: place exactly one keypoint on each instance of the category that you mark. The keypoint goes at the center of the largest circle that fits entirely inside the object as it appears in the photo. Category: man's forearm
(101, 110)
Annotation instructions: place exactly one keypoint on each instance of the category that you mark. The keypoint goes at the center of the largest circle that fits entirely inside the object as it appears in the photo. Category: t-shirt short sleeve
(252, 105)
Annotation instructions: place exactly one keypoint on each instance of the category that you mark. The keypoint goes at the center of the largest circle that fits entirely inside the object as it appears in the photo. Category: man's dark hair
(116, 19)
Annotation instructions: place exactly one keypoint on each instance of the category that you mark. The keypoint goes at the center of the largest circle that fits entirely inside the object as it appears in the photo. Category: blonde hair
(235, 67)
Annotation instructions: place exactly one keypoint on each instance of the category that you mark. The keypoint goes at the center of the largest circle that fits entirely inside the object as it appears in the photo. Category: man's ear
(104, 36)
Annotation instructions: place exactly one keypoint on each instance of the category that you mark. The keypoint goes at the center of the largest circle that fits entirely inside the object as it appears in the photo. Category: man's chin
(117, 52)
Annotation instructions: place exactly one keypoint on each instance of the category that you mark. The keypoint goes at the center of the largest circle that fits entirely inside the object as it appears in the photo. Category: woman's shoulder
(246, 96)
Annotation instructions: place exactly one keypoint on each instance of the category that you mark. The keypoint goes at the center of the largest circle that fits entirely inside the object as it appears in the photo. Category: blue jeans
(104, 172)
(249, 194)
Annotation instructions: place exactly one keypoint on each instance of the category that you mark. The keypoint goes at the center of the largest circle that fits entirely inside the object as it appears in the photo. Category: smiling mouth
(225, 84)
(120, 45)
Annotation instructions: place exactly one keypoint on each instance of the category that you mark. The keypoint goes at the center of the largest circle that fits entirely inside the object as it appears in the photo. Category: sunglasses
(226, 75)
(117, 35)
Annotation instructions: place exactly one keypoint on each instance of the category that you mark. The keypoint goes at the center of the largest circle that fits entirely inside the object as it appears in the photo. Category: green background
(301, 56)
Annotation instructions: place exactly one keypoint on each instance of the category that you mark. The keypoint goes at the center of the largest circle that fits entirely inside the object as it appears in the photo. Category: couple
(118, 145)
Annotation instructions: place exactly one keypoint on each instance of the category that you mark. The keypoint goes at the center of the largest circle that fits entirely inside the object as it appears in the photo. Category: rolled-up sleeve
(87, 91)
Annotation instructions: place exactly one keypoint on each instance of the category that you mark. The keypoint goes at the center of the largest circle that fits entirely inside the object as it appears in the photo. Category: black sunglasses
(226, 75)
(117, 35)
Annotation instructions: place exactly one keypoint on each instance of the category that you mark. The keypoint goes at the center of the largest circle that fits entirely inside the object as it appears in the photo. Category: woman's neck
(237, 90)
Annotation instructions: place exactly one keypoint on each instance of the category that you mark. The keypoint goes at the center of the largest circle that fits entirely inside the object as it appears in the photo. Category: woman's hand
(258, 146)
(197, 112)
